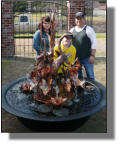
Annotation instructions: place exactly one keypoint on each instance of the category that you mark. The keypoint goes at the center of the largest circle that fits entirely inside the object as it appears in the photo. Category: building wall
(7, 29)
(75, 6)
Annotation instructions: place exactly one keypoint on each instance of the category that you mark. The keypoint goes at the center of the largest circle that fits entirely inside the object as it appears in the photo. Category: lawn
(99, 19)
(100, 35)
(37, 16)
(58, 35)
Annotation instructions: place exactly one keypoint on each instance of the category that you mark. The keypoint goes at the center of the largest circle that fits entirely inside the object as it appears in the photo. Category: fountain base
(67, 126)
(26, 108)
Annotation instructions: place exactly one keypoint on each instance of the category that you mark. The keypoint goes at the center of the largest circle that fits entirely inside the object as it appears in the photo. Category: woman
(42, 36)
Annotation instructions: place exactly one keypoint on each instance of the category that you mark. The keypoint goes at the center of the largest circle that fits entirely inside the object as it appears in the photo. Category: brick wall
(7, 29)
(75, 6)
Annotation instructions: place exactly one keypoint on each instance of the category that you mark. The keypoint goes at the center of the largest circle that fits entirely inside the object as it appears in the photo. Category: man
(67, 48)
(84, 40)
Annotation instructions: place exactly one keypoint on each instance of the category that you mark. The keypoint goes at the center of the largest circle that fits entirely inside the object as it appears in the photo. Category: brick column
(75, 6)
(7, 32)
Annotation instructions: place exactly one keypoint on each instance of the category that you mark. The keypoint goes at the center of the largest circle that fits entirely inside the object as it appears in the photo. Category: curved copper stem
(52, 37)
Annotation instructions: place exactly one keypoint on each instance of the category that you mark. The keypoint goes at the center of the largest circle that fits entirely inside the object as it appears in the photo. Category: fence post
(68, 18)
(7, 30)
(75, 6)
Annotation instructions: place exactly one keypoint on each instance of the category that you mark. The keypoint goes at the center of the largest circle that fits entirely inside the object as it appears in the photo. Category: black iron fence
(27, 15)
(89, 11)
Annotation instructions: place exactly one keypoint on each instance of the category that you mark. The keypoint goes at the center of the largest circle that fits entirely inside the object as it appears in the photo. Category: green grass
(99, 19)
(30, 35)
(37, 16)
(100, 35)
(27, 35)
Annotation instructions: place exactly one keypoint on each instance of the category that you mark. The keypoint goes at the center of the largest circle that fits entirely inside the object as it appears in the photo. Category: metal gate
(89, 12)
(27, 15)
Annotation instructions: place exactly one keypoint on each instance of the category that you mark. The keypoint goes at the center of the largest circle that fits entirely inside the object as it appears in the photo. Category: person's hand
(91, 59)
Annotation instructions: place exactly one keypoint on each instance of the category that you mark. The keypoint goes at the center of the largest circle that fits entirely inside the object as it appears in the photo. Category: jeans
(88, 68)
